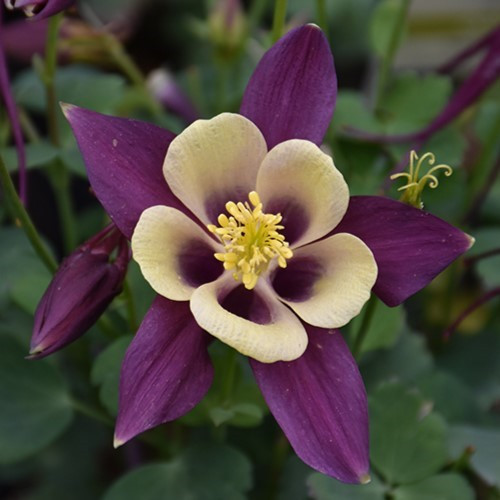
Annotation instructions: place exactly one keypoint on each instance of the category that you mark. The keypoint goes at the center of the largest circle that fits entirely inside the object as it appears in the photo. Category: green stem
(60, 180)
(386, 63)
(49, 77)
(322, 16)
(365, 326)
(89, 411)
(128, 67)
(21, 218)
(279, 19)
(130, 304)
(230, 375)
(257, 8)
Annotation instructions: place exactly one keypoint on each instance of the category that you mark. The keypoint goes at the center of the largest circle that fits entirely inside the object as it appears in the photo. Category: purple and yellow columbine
(246, 230)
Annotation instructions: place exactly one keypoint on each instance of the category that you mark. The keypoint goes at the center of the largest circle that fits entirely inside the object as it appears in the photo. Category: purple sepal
(10, 106)
(41, 9)
(411, 246)
(319, 401)
(292, 92)
(166, 370)
(124, 160)
(81, 290)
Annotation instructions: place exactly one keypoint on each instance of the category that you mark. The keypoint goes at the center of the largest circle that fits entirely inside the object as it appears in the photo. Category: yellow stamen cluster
(251, 239)
(413, 189)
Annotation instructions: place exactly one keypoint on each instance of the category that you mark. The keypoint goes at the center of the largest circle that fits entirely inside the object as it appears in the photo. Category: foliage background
(434, 405)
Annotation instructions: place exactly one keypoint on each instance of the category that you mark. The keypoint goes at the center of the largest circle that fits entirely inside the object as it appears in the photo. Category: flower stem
(387, 59)
(49, 77)
(365, 326)
(322, 16)
(60, 180)
(130, 304)
(22, 219)
(232, 362)
(128, 67)
(279, 19)
(89, 411)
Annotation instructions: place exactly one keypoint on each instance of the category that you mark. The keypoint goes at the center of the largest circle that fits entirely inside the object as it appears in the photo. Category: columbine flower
(256, 191)
(39, 9)
(83, 287)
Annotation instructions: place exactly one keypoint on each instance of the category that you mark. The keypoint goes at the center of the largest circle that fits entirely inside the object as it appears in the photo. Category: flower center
(251, 239)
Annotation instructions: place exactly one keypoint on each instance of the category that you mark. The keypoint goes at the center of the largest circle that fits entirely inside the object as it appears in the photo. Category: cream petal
(301, 182)
(275, 334)
(347, 274)
(213, 162)
(175, 255)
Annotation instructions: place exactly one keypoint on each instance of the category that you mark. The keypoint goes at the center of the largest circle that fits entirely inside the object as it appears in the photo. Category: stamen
(413, 189)
(251, 239)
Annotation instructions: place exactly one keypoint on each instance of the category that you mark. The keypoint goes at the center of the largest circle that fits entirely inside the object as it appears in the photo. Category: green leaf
(406, 361)
(386, 324)
(203, 472)
(326, 488)
(293, 481)
(486, 444)
(384, 19)
(408, 443)
(489, 268)
(24, 277)
(474, 360)
(242, 405)
(352, 111)
(450, 397)
(37, 155)
(106, 372)
(414, 101)
(36, 407)
(440, 487)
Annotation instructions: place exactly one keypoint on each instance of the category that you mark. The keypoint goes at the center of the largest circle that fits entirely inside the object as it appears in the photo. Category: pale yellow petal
(283, 338)
(213, 162)
(162, 238)
(300, 181)
(348, 273)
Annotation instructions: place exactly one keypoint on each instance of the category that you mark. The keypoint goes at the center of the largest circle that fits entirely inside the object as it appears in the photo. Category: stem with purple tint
(365, 326)
(12, 113)
(469, 310)
(22, 219)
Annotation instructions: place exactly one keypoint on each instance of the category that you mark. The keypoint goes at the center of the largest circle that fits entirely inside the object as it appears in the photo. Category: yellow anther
(251, 239)
(414, 187)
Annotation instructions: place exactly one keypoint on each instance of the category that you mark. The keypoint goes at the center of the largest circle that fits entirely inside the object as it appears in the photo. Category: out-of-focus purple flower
(39, 9)
(12, 113)
(148, 179)
(165, 89)
(82, 288)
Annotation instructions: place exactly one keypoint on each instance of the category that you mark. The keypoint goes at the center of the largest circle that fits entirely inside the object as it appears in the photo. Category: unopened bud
(227, 27)
(171, 96)
(82, 288)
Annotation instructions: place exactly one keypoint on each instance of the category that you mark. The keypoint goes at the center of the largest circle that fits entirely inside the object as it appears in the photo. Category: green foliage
(106, 373)
(36, 407)
(439, 487)
(202, 472)
(408, 441)
(326, 488)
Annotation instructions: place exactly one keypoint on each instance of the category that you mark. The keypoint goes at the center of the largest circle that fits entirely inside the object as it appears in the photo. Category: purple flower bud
(39, 9)
(83, 287)
(165, 89)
